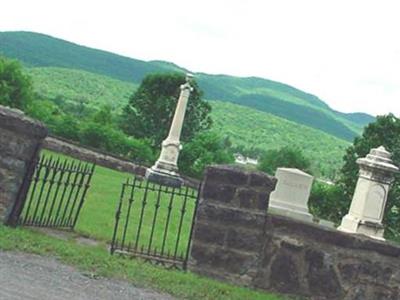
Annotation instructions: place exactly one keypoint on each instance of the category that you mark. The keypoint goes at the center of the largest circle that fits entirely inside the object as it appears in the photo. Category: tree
(385, 131)
(284, 157)
(205, 149)
(15, 87)
(151, 108)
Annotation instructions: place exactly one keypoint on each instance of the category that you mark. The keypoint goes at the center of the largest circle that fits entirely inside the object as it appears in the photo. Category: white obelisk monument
(165, 170)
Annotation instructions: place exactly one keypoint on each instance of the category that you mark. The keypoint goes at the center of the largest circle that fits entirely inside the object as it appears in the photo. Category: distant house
(243, 160)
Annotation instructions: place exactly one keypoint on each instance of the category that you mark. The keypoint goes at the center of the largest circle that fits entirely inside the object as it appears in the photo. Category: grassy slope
(73, 85)
(251, 128)
(244, 125)
(41, 50)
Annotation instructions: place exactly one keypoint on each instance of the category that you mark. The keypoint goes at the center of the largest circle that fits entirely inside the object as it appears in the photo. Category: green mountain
(284, 101)
(247, 128)
(72, 87)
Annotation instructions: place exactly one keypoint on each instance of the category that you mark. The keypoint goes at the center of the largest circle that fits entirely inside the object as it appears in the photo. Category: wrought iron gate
(155, 222)
(57, 192)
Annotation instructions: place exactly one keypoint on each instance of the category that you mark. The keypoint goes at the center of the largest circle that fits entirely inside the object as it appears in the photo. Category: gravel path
(32, 277)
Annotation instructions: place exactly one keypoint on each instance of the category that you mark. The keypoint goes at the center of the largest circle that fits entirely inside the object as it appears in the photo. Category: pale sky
(345, 52)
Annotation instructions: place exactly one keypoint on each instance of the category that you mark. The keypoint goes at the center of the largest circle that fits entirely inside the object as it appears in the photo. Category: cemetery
(240, 226)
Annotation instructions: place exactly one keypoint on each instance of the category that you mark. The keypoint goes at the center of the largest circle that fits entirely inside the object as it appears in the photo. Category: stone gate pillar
(20, 142)
(230, 223)
(368, 205)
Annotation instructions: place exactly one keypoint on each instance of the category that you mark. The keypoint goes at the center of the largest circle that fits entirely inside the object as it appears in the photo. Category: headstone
(291, 194)
(368, 205)
(165, 170)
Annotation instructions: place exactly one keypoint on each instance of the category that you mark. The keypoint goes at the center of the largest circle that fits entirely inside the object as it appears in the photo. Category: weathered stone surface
(281, 254)
(227, 261)
(230, 216)
(95, 156)
(245, 240)
(219, 192)
(260, 179)
(226, 175)
(248, 198)
(284, 274)
(16, 121)
(321, 276)
(20, 138)
(212, 234)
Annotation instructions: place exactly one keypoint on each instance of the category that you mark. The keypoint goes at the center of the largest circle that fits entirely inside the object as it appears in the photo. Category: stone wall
(236, 240)
(102, 159)
(20, 142)
(89, 155)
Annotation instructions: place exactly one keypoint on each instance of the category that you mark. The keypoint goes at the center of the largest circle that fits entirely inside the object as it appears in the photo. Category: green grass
(97, 261)
(97, 217)
(97, 221)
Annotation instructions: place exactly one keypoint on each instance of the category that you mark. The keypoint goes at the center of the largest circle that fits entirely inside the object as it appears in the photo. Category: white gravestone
(291, 194)
(368, 205)
(165, 170)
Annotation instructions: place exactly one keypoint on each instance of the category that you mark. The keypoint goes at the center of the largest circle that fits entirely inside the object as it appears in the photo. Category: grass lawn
(97, 221)
(97, 217)
(96, 260)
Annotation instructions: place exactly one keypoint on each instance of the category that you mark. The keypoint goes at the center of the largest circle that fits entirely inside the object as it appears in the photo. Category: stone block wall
(90, 155)
(20, 142)
(230, 223)
(237, 241)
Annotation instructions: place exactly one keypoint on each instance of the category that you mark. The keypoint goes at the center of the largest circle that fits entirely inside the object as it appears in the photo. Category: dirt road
(32, 277)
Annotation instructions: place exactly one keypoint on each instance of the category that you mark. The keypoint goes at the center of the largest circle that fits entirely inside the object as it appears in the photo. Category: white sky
(345, 52)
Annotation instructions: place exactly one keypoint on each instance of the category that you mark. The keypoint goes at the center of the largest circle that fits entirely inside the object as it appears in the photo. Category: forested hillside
(264, 95)
(250, 131)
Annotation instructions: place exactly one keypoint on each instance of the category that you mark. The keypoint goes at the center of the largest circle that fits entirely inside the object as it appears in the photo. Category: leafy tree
(284, 157)
(108, 139)
(205, 149)
(327, 201)
(15, 87)
(151, 108)
(67, 127)
(385, 131)
(104, 115)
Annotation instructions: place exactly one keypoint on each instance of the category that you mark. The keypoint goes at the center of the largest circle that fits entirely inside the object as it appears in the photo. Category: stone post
(230, 223)
(290, 197)
(165, 170)
(20, 142)
(368, 205)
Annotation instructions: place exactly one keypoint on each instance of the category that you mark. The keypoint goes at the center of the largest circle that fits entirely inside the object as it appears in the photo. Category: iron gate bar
(86, 188)
(159, 231)
(157, 206)
(141, 215)
(52, 178)
(183, 211)
(59, 183)
(69, 170)
(196, 205)
(35, 180)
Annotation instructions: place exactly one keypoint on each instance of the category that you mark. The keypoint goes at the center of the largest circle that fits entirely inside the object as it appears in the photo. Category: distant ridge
(39, 50)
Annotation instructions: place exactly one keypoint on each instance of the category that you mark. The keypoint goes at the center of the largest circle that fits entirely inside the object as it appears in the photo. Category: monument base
(167, 178)
(351, 224)
(290, 213)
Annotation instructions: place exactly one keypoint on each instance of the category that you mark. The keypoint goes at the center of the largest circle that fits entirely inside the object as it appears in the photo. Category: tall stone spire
(165, 170)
